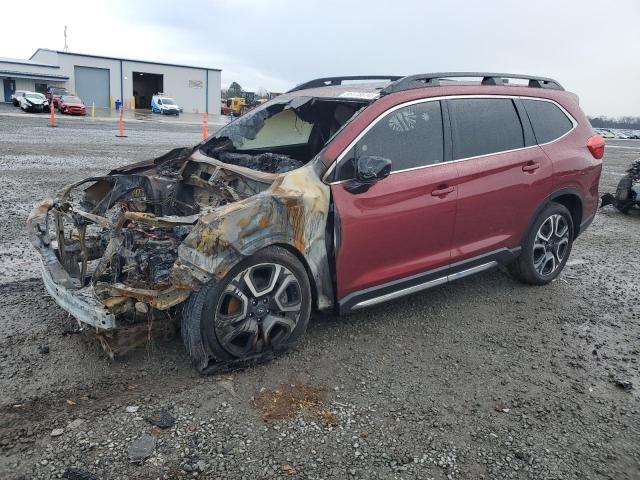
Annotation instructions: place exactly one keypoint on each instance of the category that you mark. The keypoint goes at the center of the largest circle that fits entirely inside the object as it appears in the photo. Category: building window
(41, 87)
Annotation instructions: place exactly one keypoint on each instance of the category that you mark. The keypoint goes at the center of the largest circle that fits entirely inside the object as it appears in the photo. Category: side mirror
(369, 170)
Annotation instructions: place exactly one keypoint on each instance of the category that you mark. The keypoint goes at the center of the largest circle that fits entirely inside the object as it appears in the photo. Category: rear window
(485, 125)
(548, 121)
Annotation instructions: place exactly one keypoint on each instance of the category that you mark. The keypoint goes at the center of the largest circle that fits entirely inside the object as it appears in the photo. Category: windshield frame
(293, 102)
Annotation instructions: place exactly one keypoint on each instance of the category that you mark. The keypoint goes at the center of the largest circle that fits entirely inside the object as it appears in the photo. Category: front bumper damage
(79, 298)
(80, 303)
(91, 266)
(66, 291)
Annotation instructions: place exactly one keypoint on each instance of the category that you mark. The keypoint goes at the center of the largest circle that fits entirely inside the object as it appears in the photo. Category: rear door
(504, 174)
(403, 225)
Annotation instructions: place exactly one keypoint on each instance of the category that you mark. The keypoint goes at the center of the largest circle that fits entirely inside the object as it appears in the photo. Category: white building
(103, 80)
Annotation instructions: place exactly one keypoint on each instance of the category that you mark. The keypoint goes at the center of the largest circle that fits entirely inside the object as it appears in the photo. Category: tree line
(624, 123)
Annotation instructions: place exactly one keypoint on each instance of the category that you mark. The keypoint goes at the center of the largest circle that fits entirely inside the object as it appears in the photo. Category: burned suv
(340, 194)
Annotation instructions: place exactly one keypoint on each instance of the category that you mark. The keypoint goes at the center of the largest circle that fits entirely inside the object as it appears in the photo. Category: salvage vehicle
(72, 105)
(164, 105)
(15, 97)
(628, 191)
(34, 102)
(53, 94)
(333, 197)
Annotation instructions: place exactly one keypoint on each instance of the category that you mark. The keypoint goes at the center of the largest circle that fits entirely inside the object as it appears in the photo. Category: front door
(9, 88)
(402, 226)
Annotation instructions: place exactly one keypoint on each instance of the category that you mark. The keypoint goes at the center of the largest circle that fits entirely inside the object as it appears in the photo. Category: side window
(547, 120)
(484, 125)
(411, 136)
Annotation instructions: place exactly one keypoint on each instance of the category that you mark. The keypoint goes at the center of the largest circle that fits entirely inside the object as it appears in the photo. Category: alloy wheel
(259, 308)
(551, 245)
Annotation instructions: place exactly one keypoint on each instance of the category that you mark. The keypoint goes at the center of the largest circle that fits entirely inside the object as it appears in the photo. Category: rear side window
(485, 125)
(410, 137)
(547, 120)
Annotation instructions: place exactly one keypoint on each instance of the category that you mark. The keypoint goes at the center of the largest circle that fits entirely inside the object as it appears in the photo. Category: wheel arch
(303, 260)
(568, 197)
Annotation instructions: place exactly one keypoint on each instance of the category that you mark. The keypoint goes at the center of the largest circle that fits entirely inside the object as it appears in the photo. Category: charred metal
(129, 247)
(628, 192)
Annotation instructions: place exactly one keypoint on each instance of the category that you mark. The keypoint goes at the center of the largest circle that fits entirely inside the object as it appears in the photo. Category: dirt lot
(483, 378)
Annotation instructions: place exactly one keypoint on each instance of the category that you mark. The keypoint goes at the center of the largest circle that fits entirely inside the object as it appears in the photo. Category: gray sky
(591, 47)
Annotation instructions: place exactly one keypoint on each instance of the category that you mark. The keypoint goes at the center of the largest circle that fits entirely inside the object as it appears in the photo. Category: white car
(15, 97)
(34, 102)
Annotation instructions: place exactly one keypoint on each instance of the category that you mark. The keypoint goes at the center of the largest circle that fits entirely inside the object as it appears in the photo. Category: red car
(72, 105)
(334, 196)
(53, 94)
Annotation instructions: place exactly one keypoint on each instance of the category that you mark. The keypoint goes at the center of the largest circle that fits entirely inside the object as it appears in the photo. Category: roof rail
(328, 81)
(433, 80)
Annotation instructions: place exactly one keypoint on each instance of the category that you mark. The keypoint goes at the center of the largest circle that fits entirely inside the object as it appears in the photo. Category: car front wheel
(261, 307)
(547, 247)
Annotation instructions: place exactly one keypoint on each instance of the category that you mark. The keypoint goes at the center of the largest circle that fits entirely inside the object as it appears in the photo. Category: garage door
(92, 84)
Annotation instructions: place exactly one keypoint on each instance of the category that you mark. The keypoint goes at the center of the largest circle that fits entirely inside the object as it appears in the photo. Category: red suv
(337, 195)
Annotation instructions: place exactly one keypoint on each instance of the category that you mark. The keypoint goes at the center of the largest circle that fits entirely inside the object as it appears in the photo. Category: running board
(424, 286)
(425, 280)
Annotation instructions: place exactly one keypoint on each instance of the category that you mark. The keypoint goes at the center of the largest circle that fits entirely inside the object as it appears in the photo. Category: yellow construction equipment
(236, 105)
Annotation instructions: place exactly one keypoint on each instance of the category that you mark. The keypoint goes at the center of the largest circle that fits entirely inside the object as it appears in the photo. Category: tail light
(595, 144)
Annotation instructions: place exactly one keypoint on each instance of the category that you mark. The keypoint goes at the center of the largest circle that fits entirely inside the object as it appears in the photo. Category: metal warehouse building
(103, 80)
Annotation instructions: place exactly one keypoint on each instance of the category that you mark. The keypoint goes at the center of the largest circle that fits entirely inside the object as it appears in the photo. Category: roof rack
(433, 80)
(329, 81)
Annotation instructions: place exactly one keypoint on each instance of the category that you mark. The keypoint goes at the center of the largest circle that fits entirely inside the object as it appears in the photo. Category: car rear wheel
(546, 248)
(260, 308)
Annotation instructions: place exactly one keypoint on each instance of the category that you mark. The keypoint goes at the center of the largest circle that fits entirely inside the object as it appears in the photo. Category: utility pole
(66, 47)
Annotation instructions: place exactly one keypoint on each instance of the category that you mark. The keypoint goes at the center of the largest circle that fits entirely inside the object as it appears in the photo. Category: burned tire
(546, 248)
(623, 200)
(261, 308)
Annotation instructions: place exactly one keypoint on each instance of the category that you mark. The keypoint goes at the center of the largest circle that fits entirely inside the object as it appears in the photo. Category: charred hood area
(118, 236)
(120, 233)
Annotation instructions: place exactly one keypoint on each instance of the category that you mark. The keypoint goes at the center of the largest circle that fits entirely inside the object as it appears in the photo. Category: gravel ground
(483, 378)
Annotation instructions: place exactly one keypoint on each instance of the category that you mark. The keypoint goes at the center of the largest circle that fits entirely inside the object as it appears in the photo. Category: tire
(624, 202)
(260, 308)
(542, 259)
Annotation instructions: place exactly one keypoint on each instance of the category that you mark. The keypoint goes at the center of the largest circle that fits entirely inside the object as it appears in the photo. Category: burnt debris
(264, 162)
(628, 191)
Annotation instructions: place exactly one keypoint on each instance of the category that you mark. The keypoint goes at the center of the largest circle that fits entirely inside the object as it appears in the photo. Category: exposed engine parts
(264, 162)
(628, 192)
(146, 254)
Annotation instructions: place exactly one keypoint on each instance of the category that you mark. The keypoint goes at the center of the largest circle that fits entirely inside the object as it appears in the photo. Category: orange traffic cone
(205, 127)
(52, 114)
(121, 125)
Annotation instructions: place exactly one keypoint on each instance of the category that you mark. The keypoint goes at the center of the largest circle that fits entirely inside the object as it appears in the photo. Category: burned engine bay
(120, 233)
(117, 237)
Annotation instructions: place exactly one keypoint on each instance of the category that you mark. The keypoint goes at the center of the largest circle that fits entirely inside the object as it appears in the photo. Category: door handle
(530, 167)
(442, 190)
